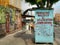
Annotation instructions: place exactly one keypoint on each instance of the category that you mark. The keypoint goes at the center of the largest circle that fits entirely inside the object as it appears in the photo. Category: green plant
(2, 13)
(36, 2)
(42, 3)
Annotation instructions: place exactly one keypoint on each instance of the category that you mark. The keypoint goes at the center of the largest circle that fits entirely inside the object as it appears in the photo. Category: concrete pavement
(11, 40)
(22, 38)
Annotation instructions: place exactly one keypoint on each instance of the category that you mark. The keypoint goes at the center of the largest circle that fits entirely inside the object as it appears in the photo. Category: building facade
(4, 2)
(57, 17)
(14, 4)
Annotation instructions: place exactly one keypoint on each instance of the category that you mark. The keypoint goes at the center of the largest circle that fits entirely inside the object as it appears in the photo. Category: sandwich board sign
(44, 26)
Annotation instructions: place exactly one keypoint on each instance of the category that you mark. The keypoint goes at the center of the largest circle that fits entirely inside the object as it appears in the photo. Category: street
(26, 38)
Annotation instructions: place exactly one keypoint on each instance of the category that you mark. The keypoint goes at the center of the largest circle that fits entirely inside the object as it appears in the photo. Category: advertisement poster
(44, 26)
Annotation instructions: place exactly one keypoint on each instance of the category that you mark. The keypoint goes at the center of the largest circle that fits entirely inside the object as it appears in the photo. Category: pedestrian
(32, 27)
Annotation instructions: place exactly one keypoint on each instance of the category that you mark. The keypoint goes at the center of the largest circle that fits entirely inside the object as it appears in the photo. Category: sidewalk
(20, 38)
(11, 40)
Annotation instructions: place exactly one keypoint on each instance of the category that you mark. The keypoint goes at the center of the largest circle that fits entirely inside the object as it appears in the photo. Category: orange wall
(4, 2)
(57, 17)
(15, 3)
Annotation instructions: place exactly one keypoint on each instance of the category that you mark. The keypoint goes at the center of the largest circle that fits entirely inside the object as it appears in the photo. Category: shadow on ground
(2, 36)
(24, 36)
(28, 37)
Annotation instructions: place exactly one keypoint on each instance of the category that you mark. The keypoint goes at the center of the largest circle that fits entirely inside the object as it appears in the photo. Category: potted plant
(43, 20)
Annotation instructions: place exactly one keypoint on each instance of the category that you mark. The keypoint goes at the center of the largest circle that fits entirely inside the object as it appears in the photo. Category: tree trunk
(38, 6)
(50, 5)
(26, 11)
(41, 5)
(48, 2)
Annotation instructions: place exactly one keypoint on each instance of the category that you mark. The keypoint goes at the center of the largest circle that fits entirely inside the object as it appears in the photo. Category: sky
(57, 7)
(25, 6)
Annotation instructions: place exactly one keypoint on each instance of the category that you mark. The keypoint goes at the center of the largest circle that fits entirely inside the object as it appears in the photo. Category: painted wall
(15, 3)
(4, 2)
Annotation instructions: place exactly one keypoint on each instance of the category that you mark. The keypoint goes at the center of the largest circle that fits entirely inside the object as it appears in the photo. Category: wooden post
(7, 22)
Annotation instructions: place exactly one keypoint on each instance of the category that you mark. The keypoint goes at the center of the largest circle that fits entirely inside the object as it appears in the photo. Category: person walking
(32, 27)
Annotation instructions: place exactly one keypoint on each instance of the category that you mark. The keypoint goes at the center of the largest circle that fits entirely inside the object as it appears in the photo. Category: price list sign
(44, 26)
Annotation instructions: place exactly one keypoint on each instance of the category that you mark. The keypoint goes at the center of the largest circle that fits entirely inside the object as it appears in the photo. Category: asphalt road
(26, 38)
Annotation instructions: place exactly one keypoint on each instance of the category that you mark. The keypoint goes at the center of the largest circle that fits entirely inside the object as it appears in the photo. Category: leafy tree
(42, 3)
(50, 3)
(36, 2)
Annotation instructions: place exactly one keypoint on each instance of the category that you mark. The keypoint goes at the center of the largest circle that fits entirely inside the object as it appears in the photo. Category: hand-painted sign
(44, 26)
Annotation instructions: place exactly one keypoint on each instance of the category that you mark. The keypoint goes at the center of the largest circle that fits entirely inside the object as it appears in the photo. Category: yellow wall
(15, 3)
(4, 2)
(57, 17)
